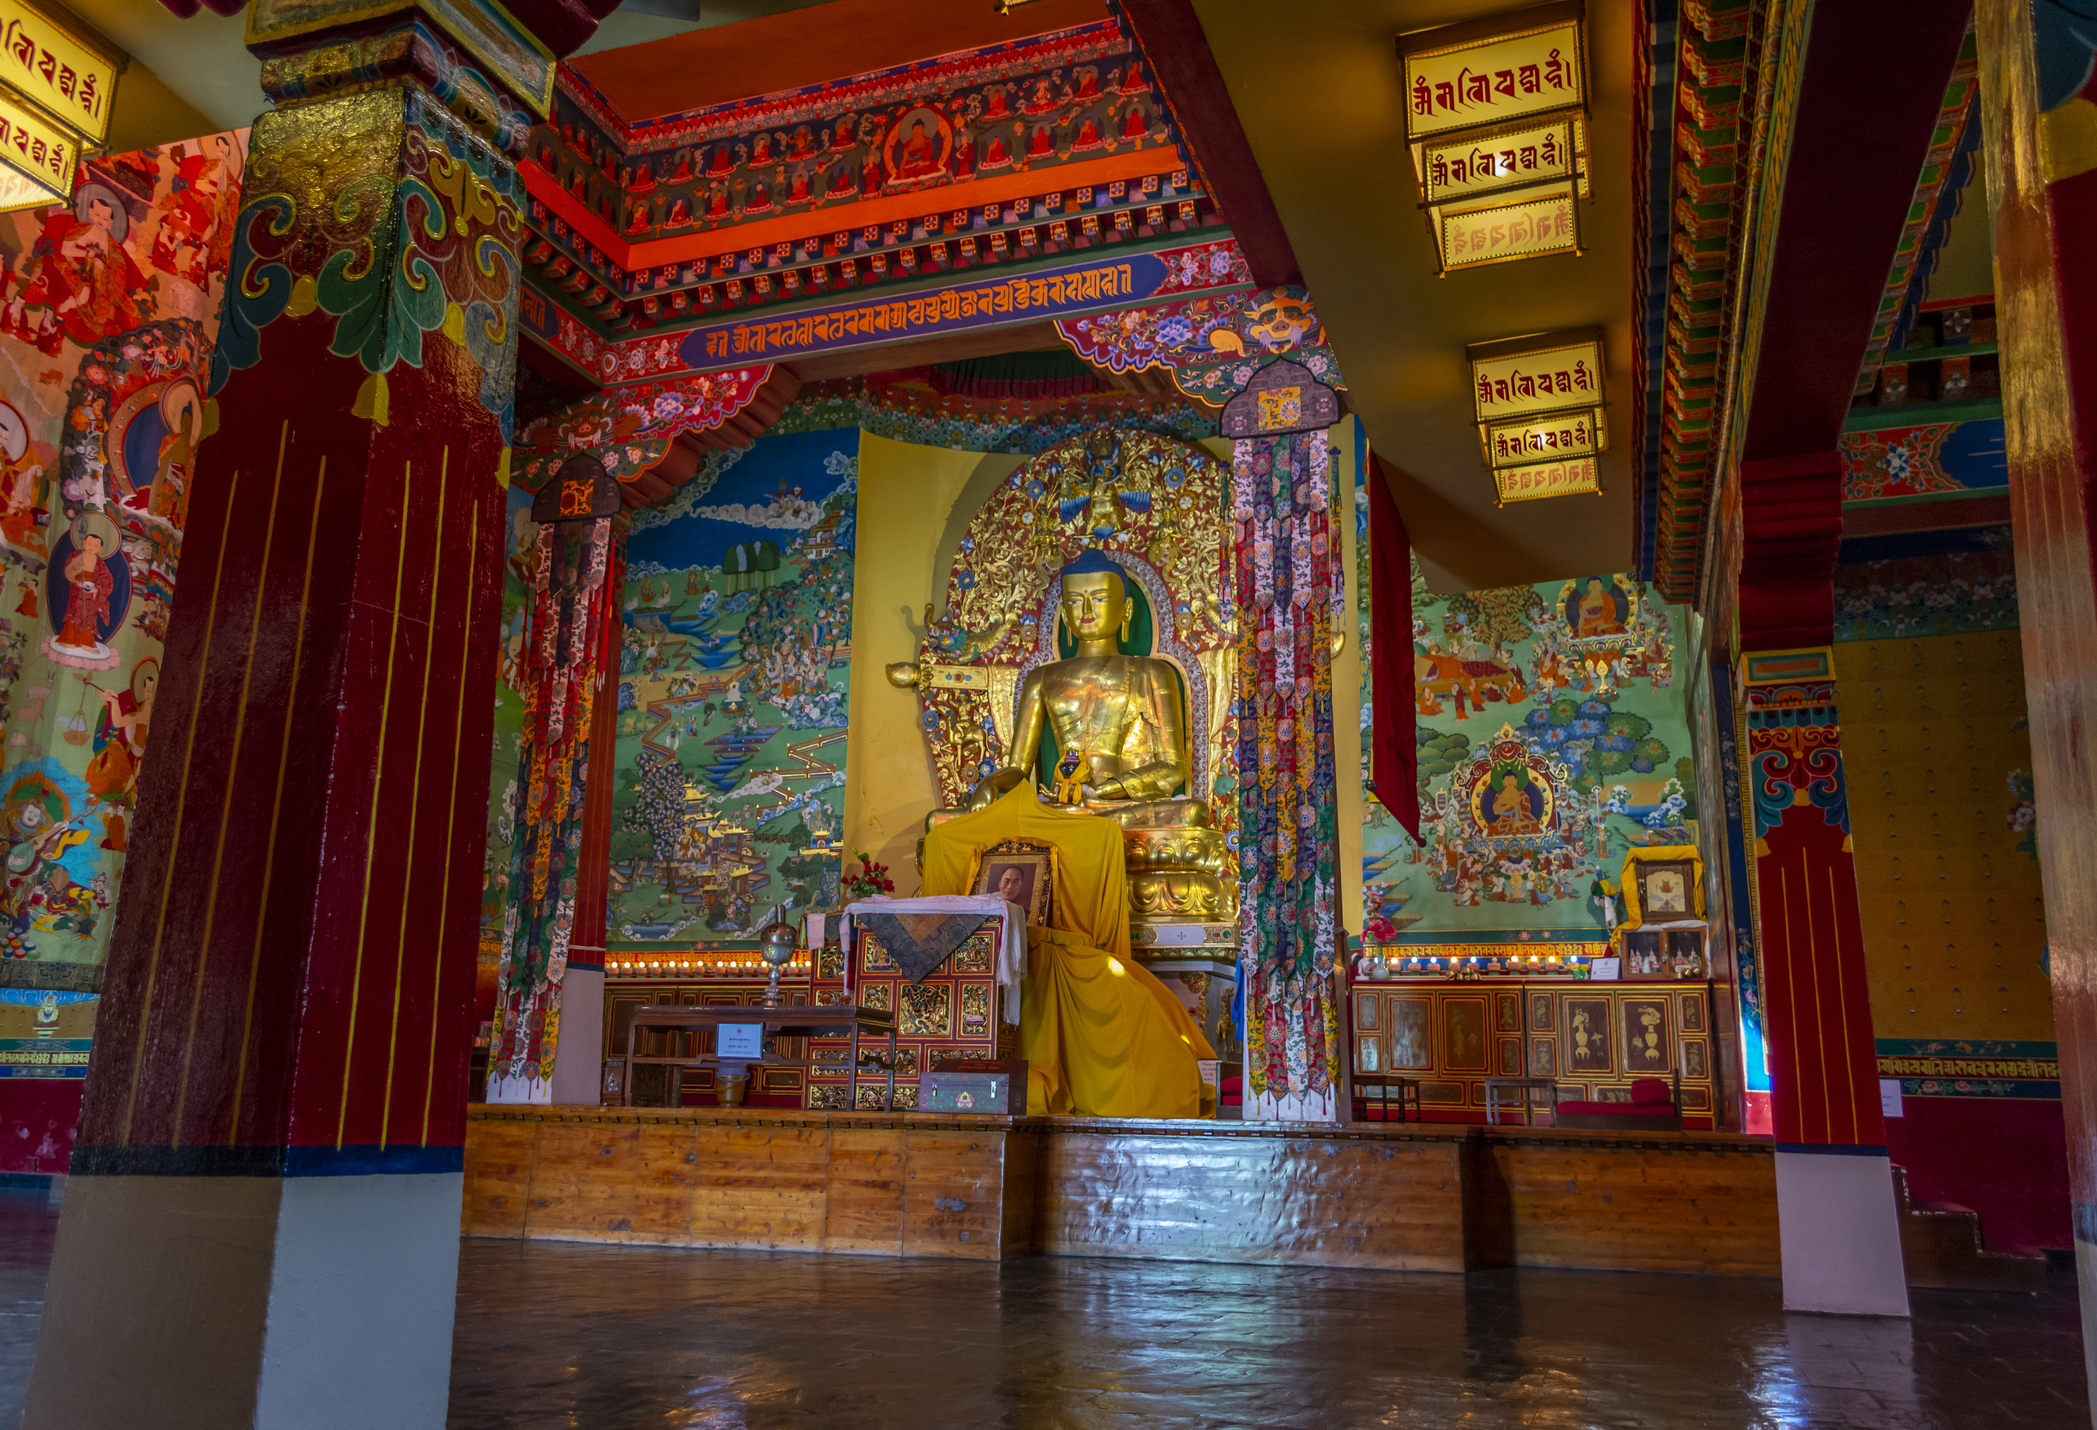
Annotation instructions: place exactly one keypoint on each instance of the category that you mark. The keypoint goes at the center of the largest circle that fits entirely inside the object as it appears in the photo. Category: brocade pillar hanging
(1288, 595)
(571, 599)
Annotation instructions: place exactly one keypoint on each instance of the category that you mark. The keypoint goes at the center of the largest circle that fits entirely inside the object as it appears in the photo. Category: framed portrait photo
(1022, 876)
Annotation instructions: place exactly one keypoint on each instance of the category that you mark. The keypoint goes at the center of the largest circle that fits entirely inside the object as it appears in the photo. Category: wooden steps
(1942, 1247)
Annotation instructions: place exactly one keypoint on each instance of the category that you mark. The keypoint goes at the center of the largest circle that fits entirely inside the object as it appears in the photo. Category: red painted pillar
(1841, 1235)
(1799, 321)
(2036, 107)
(1839, 1225)
(264, 1203)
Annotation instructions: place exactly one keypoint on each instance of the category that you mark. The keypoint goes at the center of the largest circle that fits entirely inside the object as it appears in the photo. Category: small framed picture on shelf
(1665, 890)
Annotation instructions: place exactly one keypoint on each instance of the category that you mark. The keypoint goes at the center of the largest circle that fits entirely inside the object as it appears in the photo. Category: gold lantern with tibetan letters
(57, 89)
(1540, 412)
(1496, 121)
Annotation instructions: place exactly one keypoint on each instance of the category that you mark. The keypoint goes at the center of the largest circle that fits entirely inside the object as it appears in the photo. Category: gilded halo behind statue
(1085, 610)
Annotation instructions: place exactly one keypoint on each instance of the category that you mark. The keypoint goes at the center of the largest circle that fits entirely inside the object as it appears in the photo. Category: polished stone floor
(28, 1227)
(559, 1335)
(605, 1338)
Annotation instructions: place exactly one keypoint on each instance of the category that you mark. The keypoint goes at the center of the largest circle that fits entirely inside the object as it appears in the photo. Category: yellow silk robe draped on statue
(1101, 1035)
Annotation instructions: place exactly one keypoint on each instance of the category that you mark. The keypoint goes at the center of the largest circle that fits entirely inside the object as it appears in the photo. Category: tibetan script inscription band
(51, 68)
(1557, 378)
(1539, 439)
(1493, 79)
(1472, 165)
(1116, 282)
(39, 152)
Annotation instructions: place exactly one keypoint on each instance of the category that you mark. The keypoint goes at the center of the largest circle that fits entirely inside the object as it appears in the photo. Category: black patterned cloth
(919, 943)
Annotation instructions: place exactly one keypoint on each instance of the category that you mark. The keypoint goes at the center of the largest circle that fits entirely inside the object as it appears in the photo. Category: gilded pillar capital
(473, 57)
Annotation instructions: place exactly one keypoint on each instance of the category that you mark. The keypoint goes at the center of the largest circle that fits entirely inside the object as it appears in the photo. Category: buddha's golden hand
(996, 783)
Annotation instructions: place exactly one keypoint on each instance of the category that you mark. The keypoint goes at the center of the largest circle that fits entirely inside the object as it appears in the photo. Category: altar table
(790, 1022)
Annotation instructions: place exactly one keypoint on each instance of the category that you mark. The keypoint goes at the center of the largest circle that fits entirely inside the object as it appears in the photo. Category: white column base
(578, 1057)
(205, 1302)
(529, 1087)
(1840, 1232)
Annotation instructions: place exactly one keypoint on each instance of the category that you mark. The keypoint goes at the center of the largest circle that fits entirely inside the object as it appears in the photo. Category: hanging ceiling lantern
(1496, 121)
(1540, 412)
(56, 91)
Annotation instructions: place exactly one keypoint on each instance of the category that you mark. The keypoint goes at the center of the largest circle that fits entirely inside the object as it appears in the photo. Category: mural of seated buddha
(1126, 716)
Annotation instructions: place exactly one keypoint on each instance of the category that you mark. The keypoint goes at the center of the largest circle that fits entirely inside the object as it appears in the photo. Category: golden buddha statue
(1125, 717)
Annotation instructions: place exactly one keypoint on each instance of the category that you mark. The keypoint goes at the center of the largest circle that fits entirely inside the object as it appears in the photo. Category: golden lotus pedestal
(1183, 911)
(1203, 959)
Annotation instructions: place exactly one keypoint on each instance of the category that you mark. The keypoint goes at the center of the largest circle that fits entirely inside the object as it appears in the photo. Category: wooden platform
(1411, 1197)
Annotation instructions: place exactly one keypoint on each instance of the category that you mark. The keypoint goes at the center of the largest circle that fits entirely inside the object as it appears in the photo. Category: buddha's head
(1095, 605)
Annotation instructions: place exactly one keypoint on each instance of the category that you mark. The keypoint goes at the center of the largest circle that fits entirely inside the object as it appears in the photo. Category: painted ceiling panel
(808, 46)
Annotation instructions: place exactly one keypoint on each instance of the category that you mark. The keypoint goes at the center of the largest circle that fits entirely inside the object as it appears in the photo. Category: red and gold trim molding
(1929, 214)
(994, 154)
(653, 436)
(1008, 217)
(1720, 111)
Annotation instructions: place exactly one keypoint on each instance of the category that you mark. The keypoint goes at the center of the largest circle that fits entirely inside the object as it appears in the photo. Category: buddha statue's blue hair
(1093, 560)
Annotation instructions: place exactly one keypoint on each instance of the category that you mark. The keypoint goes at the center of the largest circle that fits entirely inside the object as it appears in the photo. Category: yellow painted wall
(1954, 922)
(905, 495)
(1347, 695)
(914, 503)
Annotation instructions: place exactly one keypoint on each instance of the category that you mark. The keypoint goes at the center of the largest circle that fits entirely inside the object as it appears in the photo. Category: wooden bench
(1654, 1107)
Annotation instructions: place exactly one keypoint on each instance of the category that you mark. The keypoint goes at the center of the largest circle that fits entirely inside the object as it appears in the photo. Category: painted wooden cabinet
(1592, 1039)
(951, 1013)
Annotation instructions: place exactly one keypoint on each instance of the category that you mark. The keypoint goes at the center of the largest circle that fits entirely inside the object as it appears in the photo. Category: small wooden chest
(967, 1092)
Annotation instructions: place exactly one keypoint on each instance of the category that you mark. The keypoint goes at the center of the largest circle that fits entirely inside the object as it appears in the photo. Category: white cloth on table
(1012, 940)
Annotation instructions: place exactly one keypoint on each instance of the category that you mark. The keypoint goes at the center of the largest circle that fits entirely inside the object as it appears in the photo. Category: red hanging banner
(1394, 755)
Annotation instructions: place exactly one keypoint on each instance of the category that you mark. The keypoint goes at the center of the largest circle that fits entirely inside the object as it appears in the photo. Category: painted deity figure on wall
(194, 238)
(120, 736)
(1512, 808)
(919, 153)
(40, 827)
(1599, 612)
(91, 569)
(108, 322)
(20, 486)
(84, 286)
(1591, 738)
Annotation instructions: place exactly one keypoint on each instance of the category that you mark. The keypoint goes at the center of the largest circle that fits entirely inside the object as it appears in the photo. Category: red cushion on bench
(1618, 1109)
(1650, 1090)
